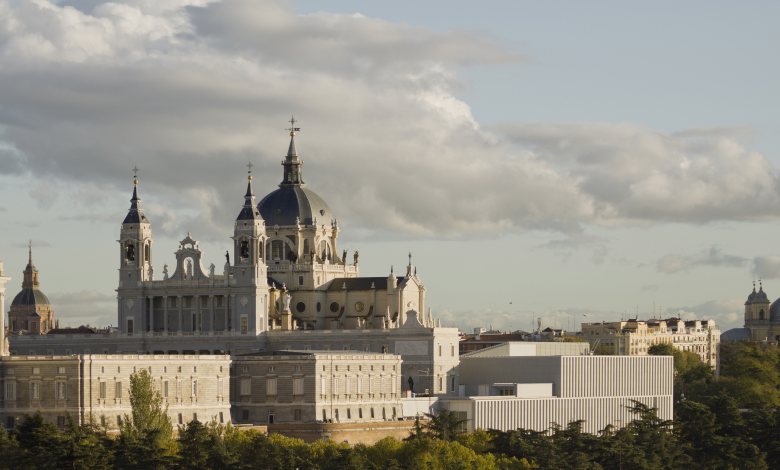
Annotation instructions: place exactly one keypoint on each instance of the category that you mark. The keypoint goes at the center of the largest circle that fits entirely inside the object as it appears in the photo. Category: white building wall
(539, 414)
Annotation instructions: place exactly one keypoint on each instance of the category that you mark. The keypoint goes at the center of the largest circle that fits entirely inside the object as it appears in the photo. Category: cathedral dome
(289, 205)
(293, 203)
(30, 297)
(774, 311)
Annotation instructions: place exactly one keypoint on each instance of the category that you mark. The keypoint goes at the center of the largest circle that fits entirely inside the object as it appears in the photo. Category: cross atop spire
(249, 166)
(292, 127)
(135, 175)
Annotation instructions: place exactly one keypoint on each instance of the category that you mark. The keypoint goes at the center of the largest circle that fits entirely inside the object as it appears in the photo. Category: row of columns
(150, 311)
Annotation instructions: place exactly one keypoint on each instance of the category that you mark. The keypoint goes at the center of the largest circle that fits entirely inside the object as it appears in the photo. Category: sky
(569, 161)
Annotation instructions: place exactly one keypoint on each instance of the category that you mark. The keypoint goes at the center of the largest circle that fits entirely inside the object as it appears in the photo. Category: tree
(146, 439)
(41, 443)
(445, 425)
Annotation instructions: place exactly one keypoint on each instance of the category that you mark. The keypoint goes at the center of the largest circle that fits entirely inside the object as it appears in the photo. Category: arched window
(244, 249)
(761, 314)
(324, 250)
(147, 252)
(130, 252)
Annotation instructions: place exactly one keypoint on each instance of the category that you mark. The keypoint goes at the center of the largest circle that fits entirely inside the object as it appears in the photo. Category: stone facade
(316, 386)
(96, 388)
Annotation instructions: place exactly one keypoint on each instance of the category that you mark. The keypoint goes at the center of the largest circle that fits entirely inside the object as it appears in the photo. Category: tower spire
(249, 211)
(135, 214)
(29, 252)
(292, 164)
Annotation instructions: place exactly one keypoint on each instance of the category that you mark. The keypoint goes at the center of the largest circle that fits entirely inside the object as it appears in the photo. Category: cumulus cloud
(767, 267)
(191, 90)
(714, 256)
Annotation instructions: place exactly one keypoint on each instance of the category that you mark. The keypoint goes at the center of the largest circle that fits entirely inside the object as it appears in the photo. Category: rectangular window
(10, 390)
(118, 390)
(165, 389)
(195, 388)
(35, 391)
(246, 386)
(194, 416)
(244, 325)
(221, 417)
(298, 386)
(270, 386)
(60, 390)
(61, 420)
(297, 415)
(181, 419)
(323, 386)
(102, 392)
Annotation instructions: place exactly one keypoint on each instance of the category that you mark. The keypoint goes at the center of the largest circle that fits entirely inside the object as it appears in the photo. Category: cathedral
(286, 273)
(284, 285)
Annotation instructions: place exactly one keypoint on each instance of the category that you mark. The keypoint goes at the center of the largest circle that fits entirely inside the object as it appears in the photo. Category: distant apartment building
(635, 337)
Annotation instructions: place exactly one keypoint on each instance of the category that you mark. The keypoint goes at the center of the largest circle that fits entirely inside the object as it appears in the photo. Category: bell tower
(249, 270)
(135, 263)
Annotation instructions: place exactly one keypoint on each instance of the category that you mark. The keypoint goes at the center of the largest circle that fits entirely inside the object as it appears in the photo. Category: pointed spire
(135, 215)
(292, 164)
(30, 275)
(249, 211)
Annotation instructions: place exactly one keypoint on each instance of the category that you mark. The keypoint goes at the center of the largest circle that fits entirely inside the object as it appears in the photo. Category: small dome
(30, 297)
(291, 204)
(761, 297)
(751, 298)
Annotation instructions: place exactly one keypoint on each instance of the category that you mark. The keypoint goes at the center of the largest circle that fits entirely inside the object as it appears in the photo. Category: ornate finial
(410, 258)
(135, 175)
(292, 127)
(760, 285)
(249, 171)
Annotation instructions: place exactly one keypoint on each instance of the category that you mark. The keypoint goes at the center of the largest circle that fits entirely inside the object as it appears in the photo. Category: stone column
(179, 302)
(211, 313)
(165, 314)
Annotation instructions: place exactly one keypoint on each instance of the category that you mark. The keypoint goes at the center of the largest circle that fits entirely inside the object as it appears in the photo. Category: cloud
(674, 263)
(630, 172)
(84, 307)
(191, 90)
(767, 267)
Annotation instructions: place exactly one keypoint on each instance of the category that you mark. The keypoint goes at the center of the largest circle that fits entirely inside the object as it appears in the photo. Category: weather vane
(292, 128)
